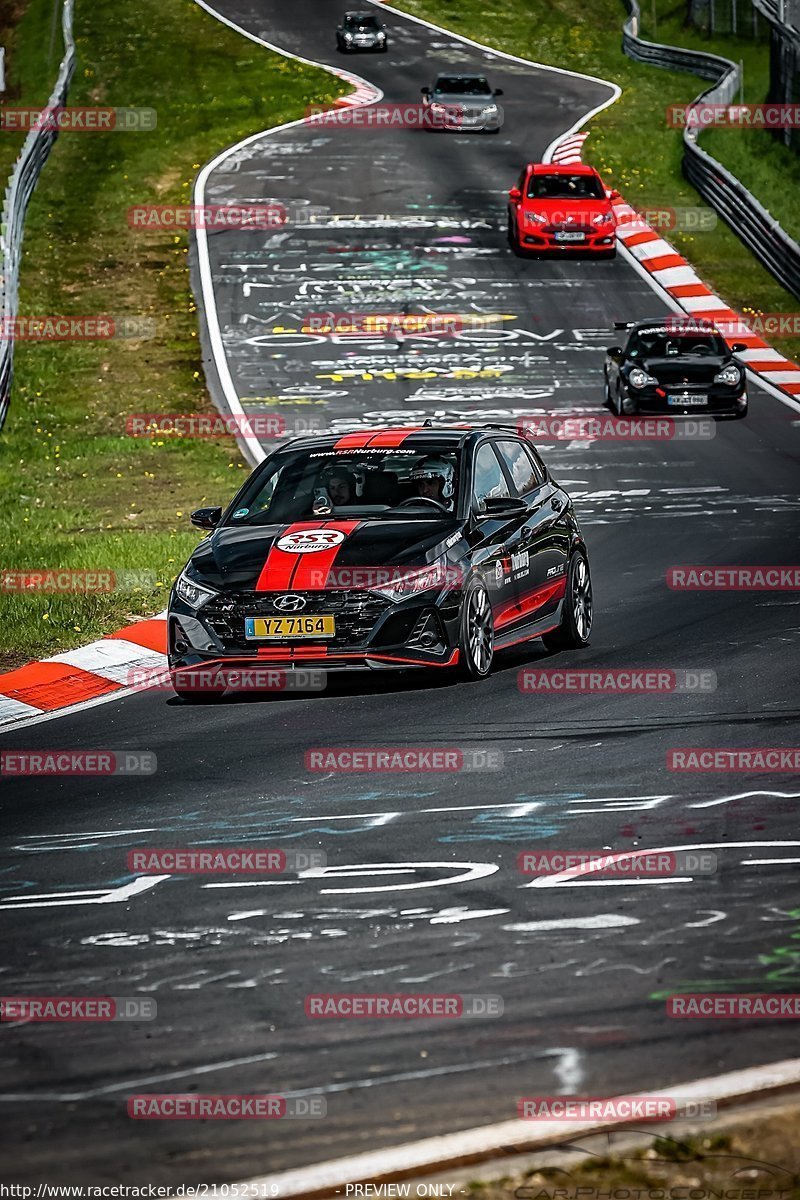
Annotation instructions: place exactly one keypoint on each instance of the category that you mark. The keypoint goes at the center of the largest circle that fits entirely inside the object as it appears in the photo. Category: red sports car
(556, 209)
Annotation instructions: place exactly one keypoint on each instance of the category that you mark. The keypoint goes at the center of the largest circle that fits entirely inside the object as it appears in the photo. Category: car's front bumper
(372, 632)
(540, 240)
(655, 402)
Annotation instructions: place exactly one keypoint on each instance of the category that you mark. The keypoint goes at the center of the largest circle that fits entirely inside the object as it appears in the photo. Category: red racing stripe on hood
(285, 569)
(312, 570)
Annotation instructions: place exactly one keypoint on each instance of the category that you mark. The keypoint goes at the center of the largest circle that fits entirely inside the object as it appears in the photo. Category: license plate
(570, 237)
(687, 401)
(289, 627)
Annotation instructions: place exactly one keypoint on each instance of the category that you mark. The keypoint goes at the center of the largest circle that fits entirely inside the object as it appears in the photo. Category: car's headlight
(730, 375)
(489, 111)
(381, 37)
(406, 581)
(535, 218)
(640, 379)
(348, 37)
(603, 219)
(191, 592)
(437, 107)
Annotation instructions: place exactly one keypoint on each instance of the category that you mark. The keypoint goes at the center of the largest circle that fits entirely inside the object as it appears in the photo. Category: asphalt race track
(413, 221)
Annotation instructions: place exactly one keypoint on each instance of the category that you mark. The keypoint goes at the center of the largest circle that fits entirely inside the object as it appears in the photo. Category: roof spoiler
(624, 324)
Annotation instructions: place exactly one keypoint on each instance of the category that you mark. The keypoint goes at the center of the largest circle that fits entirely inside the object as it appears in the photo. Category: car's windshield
(673, 343)
(455, 85)
(362, 484)
(565, 187)
(361, 21)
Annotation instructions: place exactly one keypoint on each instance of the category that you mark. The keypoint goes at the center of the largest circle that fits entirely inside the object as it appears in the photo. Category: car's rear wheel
(607, 402)
(476, 641)
(576, 617)
(513, 235)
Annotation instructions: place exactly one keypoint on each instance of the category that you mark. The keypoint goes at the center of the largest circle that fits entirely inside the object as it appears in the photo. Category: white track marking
(94, 896)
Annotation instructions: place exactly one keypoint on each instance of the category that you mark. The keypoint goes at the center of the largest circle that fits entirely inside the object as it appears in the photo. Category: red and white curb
(659, 262)
(487, 1142)
(568, 149)
(102, 670)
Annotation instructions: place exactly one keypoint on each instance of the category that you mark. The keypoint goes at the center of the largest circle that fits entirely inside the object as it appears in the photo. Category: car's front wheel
(576, 616)
(513, 235)
(197, 691)
(476, 641)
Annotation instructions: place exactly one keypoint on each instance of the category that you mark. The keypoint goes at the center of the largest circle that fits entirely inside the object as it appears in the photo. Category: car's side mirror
(498, 91)
(739, 348)
(614, 351)
(206, 518)
(613, 194)
(503, 506)
(426, 91)
(514, 194)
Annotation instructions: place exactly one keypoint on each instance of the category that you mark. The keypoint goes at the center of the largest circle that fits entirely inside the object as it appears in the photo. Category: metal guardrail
(729, 198)
(23, 180)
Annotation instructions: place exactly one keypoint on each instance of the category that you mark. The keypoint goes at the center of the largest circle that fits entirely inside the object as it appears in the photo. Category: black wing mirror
(498, 91)
(503, 506)
(614, 351)
(426, 91)
(206, 518)
(739, 348)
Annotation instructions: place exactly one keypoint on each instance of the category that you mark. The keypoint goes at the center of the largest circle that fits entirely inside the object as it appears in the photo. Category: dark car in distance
(674, 366)
(384, 549)
(361, 31)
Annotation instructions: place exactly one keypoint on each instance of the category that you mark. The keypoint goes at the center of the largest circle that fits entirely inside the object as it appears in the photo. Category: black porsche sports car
(361, 31)
(384, 549)
(678, 366)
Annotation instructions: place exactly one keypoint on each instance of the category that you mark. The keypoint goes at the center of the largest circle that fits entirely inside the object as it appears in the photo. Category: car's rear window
(565, 187)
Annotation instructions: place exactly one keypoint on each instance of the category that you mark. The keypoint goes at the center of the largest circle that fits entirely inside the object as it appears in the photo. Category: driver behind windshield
(337, 488)
(433, 480)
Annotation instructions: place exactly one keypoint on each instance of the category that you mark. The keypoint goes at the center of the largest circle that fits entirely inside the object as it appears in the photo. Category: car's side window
(524, 471)
(488, 478)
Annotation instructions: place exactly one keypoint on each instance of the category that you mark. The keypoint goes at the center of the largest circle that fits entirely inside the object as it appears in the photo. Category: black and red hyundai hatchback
(383, 549)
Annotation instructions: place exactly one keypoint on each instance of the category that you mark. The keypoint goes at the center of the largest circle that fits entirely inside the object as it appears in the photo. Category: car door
(494, 539)
(540, 547)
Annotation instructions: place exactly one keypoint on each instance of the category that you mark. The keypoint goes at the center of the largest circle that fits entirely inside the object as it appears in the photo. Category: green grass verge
(78, 492)
(769, 169)
(630, 141)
